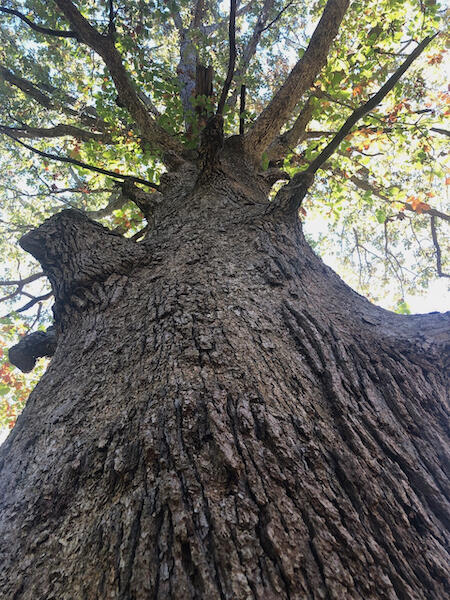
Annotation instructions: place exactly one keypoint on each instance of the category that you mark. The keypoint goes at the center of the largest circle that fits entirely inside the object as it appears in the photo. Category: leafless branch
(54, 132)
(19, 284)
(30, 304)
(38, 28)
(231, 60)
(78, 163)
(437, 248)
(242, 111)
(22, 282)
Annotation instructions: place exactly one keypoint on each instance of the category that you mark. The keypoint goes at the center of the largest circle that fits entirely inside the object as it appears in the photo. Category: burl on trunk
(223, 418)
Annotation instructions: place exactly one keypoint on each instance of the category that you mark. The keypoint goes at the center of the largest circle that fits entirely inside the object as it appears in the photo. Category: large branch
(437, 248)
(366, 186)
(289, 198)
(104, 47)
(186, 67)
(277, 113)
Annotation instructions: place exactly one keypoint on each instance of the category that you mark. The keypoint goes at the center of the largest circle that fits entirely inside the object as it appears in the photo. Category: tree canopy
(98, 100)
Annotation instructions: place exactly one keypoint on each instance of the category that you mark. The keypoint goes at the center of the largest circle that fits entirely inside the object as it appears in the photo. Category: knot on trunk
(31, 347)
(76, 252)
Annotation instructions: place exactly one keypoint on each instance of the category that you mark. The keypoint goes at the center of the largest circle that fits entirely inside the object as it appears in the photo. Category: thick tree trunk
(223, 418)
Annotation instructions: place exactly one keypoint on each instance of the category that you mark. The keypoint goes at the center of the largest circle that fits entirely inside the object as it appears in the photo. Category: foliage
(372, 198)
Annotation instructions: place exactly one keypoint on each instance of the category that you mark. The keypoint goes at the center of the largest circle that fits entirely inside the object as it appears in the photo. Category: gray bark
(223, 417)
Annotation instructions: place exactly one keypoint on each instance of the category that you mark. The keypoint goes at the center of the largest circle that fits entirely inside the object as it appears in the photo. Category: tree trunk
(223, 418)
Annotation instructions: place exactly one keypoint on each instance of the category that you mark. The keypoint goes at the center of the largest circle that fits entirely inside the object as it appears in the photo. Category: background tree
(223, 416)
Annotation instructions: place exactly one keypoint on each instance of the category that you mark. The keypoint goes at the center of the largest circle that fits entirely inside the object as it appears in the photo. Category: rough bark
(223, 417)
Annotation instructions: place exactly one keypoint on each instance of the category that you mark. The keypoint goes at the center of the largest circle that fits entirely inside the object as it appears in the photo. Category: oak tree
(222, 416)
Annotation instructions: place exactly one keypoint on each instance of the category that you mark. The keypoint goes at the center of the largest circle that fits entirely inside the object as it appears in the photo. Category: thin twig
(273, 21)
(78, 163)
(29, 304)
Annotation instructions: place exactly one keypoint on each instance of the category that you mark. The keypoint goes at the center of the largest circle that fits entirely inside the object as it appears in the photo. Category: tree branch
(289, 198)
(242, 111)
(33, 91)
(231, 60)
(186, 68)
(280, 12)
(291, 195)
(78, 163)
(208, 29)
(30, 304)
(111, 24)
(40, 343)
(38, 28)
(20, 284)
(360, 112)
(55, 132)
(440, 130)
(365, 185)
(116, 201)
(250, 48)
(437, 248)
(268, 124)
(104, 47)
(198, 13)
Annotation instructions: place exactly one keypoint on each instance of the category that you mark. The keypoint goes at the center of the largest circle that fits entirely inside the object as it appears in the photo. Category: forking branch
(269, 123)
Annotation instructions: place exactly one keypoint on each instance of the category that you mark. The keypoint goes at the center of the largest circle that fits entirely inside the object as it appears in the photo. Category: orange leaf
(422, 207)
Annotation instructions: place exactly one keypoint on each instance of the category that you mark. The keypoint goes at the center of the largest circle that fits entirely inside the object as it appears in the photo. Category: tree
(223, 417)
